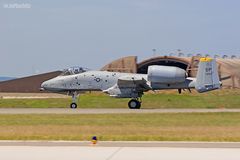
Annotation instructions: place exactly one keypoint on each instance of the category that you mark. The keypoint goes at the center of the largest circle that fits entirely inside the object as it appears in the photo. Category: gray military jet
(129, 85)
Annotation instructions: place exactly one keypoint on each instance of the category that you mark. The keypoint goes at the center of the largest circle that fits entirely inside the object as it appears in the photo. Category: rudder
(207, 76)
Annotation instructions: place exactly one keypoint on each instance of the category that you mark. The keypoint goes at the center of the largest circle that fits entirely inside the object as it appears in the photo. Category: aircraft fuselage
(102, 80)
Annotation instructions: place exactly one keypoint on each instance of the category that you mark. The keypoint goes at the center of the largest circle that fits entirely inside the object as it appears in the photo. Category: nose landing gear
(73, 105)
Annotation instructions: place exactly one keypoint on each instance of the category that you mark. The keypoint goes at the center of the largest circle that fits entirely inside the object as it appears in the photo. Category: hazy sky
(58, 34)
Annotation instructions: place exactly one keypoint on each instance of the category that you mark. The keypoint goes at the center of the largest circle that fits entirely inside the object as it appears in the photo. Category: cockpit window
(73, 70)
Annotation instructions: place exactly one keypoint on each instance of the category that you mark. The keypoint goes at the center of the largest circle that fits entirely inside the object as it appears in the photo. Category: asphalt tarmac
(178, 144)
(30, 150)
(106, 111)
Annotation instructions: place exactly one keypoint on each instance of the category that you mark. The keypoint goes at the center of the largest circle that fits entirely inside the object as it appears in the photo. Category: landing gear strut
(134, 104)
(73, 105)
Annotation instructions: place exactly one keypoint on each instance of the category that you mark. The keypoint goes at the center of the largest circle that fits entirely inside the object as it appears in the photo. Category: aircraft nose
(50, 85)
(44, 86)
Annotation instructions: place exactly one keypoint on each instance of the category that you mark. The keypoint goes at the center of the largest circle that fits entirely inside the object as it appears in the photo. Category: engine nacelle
(166, 74)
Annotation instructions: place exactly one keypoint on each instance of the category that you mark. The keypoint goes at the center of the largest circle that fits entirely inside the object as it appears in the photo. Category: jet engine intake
(166, 74)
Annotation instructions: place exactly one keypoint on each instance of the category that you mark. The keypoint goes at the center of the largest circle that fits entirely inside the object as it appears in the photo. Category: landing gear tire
(73, 105)
(134, 104)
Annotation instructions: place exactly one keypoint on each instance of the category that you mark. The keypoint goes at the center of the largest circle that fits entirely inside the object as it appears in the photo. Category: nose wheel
(73, 105)
(134, 104)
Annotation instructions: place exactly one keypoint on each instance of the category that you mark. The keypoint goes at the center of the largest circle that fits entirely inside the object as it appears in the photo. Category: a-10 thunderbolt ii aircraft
(130, 85)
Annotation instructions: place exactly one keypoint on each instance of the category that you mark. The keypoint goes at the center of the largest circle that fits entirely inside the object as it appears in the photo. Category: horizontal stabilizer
(225, 78)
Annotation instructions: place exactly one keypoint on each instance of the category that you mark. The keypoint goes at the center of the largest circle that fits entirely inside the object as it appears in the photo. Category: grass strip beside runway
(164, 99)
(126, 127)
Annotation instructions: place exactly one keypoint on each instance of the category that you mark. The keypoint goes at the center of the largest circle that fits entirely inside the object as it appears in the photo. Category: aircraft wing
(133, 81)
(129, 86)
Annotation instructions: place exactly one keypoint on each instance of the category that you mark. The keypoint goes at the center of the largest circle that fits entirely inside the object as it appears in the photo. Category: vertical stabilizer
(207, 76)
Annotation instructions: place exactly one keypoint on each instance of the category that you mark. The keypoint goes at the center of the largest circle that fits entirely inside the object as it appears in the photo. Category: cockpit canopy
(73, 70)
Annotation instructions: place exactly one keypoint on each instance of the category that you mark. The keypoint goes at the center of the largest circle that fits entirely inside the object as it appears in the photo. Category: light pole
(154, 52)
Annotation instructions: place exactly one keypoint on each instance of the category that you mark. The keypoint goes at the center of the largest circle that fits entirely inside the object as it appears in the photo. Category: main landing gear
(134, 104)
(73, 105)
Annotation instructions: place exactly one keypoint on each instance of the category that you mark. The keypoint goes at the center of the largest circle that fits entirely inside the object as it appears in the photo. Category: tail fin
(207, 75)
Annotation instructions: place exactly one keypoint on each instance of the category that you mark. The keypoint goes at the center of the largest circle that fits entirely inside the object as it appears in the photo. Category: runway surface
(165, 150)
(178, 144)
(105, 111)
